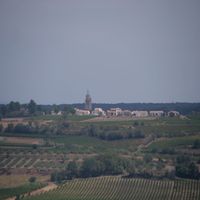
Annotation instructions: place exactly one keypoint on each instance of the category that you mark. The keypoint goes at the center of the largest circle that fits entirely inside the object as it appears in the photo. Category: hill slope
(108, 188)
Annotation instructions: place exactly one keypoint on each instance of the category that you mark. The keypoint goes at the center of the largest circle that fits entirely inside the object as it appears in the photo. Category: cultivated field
(42, 153)
(14, 191)
(116, 188)
(20, 140)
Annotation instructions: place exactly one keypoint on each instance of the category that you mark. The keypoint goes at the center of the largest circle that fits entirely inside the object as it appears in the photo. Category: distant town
(118, 112)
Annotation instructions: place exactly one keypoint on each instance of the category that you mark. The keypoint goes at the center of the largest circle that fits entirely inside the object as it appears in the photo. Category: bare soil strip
(21, 140)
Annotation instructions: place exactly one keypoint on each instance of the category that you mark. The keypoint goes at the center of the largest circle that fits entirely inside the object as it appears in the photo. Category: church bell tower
(88, 102)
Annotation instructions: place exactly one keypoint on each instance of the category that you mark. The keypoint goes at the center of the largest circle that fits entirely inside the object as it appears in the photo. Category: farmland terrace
(156, 148)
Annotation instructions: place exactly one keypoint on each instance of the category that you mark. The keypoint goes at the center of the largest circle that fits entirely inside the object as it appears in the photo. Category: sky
(53, 51)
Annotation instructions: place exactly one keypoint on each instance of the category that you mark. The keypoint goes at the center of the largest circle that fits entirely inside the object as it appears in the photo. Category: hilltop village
(118, 112)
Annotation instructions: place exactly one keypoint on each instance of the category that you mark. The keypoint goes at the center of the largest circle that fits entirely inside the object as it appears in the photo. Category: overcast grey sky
(52, 51)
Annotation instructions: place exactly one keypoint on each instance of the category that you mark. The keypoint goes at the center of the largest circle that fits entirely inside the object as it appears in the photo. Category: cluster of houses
(118, 112)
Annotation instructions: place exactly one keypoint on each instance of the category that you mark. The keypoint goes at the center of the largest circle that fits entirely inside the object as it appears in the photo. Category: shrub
(32, 179)
(1, 127)
(196, 144)
(9, 128)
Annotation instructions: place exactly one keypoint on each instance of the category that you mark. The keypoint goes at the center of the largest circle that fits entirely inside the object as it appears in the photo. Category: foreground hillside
(108, 188)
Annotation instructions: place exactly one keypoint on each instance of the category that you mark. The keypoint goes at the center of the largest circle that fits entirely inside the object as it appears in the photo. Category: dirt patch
(21, 140)
(99, 119)
(47, 188)
(17, 180)
(13, 121)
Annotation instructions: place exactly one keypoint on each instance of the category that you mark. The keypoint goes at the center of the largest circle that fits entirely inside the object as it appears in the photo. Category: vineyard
(109, 188)
(23, 161)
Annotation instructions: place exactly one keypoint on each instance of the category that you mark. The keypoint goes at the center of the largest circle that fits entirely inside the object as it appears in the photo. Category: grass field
(163, 126)
(60, 117)
(116, 188)
(14, 191)
(54, 151)
(174, 142)
(91, 144)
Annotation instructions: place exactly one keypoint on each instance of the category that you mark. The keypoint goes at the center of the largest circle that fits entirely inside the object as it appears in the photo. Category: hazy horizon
(83, 102)
(121, 51)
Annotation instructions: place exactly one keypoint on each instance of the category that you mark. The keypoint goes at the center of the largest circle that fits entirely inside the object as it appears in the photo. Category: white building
(114, 112)
(81, 112)
(157, 113)
(59, 113)
(173, 113)
(140, 113)
(56, 113)
(98, 112)
(126, 113)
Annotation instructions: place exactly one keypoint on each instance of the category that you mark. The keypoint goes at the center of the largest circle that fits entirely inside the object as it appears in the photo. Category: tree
(72, 170)
(68, 110)
(57, 176)
(136, 123)
(34, 146)
(1, 127)
(53, 176)
(32, 107)
(14, 106)
(147, 158)
(196, 144)
(193, 171)
(185, 168)
(32, 179)
(17, 197)
(9, 128)
(4, 110)
(131, 169)
(92, 167)
(55, 108)
(183, 159)
(22, 128)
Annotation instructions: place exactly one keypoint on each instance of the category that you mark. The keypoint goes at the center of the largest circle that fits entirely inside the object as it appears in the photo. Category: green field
(10, 192)
(174, 142)
(116, 188)
(169, 137)
(60, 117)
(86, 144)
(169, 127)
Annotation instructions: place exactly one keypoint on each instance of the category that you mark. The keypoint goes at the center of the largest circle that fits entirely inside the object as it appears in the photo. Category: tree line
(107, 164)
(92, 167)
(112, 132)
(15, 109)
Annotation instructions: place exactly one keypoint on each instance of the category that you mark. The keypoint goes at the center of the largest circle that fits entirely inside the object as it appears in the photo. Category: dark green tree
(17, 197)
(32, 107)
(55, 108)
(4, 110)
(92, 167)
(9, 128)
(69, 110)
(14, 106)
(72, 170)
(196, 144)
(193, 171)
(32, 179)
(1, 128)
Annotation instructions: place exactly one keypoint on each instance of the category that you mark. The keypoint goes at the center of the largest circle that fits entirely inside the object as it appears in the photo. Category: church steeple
(88, 101)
